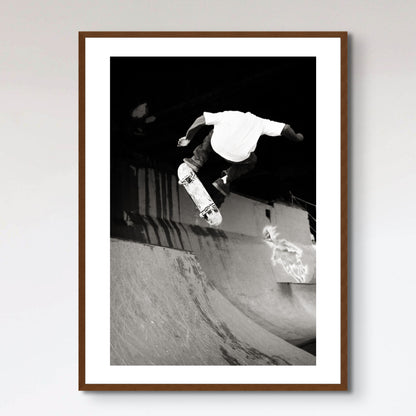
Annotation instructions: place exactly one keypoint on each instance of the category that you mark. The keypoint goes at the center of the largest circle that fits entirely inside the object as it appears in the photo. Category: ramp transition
(164, 311)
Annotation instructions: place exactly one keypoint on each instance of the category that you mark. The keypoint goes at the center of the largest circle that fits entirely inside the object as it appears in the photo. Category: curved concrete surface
(241, 268)
(165, 311)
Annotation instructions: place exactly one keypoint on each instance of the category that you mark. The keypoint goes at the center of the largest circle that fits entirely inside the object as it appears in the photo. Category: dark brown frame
(343, 385)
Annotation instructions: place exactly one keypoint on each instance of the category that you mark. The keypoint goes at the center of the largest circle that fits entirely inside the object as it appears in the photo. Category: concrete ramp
(164, 311)
(241, 268)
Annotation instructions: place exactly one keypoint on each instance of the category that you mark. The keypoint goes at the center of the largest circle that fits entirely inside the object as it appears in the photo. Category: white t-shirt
(236, 134)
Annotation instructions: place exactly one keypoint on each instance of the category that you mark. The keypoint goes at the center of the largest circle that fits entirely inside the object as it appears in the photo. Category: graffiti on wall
(286, 254)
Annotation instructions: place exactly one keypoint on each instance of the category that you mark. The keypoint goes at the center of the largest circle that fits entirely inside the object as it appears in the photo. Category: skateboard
(193, 186)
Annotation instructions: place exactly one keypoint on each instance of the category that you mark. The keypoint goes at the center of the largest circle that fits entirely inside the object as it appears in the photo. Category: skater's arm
(196, 125)
(290, 134)
(273, 128)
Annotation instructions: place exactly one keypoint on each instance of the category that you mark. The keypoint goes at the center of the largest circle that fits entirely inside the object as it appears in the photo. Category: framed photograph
(213, 211)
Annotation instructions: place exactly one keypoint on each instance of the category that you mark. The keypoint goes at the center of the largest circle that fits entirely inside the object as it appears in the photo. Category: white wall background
(38, 208)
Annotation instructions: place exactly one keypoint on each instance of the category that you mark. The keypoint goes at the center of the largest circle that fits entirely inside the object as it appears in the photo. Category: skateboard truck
(189, 179)
(211, 209)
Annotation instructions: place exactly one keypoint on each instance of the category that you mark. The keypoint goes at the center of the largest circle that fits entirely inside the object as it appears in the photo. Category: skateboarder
(234, 137)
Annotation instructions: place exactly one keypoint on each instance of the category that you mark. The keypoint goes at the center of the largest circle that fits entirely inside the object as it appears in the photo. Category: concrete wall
(292, 223)
(159, 208)
(154, 193)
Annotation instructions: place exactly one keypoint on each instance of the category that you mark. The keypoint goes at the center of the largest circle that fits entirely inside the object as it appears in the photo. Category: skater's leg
(233, 172)
(201, 154)
(241, 168)
(218, 199)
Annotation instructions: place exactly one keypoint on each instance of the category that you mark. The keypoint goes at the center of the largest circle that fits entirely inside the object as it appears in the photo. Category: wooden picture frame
(330, 371)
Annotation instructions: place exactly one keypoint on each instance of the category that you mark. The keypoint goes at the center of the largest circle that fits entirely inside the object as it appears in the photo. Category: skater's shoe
(192, 164)
(222, 185)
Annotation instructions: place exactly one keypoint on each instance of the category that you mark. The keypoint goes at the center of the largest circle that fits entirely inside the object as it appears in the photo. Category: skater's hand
(300, 137)
(183, 141)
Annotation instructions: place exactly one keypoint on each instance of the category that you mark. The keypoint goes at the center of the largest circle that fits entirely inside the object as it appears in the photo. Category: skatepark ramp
(165, 311)
(241, 269)
(271, 282)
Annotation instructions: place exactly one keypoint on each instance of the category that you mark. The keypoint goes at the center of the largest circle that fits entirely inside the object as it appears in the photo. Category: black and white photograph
(207, 211)
(213, 211)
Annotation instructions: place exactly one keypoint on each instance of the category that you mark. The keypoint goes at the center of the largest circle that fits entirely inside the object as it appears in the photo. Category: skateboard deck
(201, 198)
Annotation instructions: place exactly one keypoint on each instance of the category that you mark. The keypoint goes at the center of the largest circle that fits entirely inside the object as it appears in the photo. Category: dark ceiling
(177, 90)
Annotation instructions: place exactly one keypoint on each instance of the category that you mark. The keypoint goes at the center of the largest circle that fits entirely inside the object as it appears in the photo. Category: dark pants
(236, 169)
